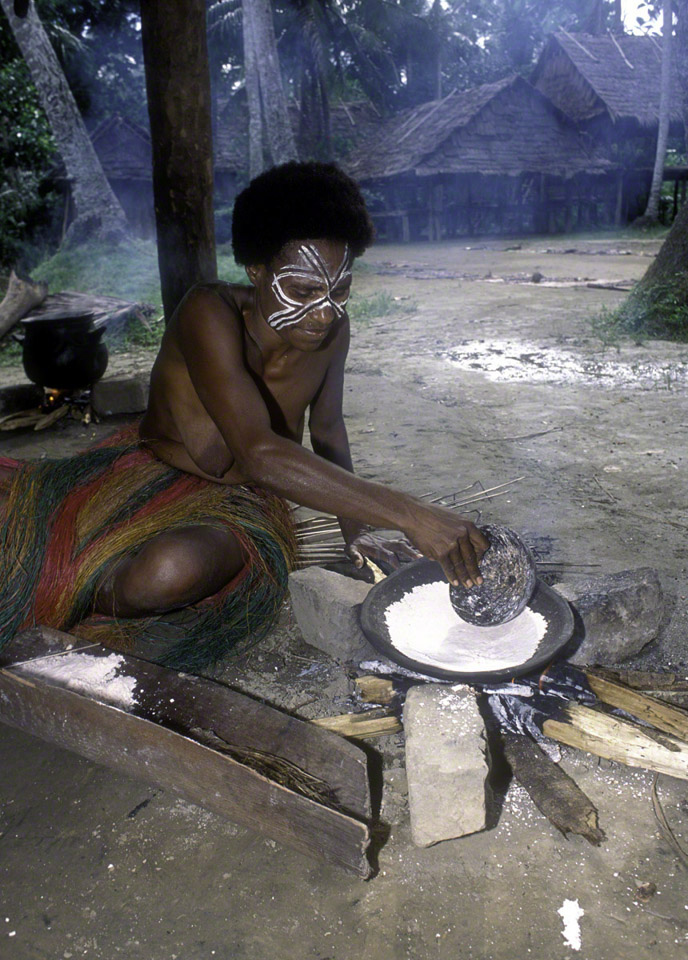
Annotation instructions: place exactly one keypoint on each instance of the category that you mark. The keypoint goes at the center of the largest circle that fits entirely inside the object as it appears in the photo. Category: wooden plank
(659, 715)
(552, 790)
(373, 689)
(359, 725)
(184, 703)
(620, 740)
(643, 679)
(152, 739)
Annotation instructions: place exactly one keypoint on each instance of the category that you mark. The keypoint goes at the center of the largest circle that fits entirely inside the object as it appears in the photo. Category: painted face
(309, 284)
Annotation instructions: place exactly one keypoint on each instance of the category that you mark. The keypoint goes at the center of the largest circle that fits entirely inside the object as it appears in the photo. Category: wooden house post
(178, 85)
(618, 212)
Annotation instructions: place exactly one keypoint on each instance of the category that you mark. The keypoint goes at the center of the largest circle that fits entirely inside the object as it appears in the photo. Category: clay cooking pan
(546, 601)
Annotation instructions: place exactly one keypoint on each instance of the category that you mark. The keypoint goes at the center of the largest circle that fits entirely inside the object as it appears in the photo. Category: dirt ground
(486, 377)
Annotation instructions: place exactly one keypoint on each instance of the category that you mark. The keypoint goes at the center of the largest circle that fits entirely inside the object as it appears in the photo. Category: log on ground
(552, 790)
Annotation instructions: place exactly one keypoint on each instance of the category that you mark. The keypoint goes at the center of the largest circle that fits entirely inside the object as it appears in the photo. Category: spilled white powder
(423, 626)
(82, 672)
(570, 912)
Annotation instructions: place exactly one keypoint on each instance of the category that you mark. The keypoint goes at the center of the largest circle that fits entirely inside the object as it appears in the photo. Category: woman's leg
(175, 569)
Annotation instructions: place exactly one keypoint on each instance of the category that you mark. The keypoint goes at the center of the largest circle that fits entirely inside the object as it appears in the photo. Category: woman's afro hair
(298, 201)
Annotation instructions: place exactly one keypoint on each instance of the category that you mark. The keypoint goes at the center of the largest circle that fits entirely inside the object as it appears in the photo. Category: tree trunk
(651, 214)
(596, 22)
(274, 111)
(682, 60)
(658, 304)
(256, 159)
(99, 215)
(618, 25)
(178, 87)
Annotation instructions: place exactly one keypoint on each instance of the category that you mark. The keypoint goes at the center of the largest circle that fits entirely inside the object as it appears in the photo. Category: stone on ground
(114, 396)
(619, 614)
(18, 397)
(326, 608)
(446, 763)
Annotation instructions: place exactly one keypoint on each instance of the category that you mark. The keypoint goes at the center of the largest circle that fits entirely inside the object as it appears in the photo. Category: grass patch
(381, 304)
(658, 312)
(227, 267)
(128, 271)
(607, 327)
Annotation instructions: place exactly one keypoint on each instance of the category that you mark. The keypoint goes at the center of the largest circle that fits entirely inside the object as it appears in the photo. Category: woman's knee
(173, 571)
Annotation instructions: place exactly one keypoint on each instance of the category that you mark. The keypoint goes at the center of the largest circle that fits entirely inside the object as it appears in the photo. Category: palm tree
(264, 76)
(651, 215)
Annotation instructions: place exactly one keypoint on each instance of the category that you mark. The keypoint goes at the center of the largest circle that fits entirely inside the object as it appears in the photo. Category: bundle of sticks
(320, 540)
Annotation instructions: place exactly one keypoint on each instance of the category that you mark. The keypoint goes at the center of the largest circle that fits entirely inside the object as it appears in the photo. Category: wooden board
(163, 737)
(618, 739)
(659, 715)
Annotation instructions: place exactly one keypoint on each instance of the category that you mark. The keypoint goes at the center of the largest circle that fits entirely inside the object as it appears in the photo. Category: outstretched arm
(210, 337)
(330, 440)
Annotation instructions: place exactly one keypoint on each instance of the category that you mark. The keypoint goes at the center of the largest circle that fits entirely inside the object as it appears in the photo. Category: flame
(53, 398)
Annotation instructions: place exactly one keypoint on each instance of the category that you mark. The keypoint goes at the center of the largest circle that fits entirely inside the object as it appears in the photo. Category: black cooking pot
(63, 352)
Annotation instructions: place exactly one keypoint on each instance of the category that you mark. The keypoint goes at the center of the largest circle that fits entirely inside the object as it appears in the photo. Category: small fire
(76, 403)
(52, 399)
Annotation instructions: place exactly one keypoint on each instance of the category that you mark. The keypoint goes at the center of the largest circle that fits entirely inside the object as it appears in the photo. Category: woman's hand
(391, 552)
(450, 539)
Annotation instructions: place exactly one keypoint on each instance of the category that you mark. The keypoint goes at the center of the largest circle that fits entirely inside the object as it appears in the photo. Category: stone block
(447, 763)
(18, 397)
(617, 615)
(326, 608)
(114, 396)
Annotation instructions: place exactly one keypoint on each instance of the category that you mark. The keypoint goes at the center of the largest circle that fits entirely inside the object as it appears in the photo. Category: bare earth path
(490, 377)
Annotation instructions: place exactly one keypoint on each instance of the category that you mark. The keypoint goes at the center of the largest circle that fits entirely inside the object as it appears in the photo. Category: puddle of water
(528, 362)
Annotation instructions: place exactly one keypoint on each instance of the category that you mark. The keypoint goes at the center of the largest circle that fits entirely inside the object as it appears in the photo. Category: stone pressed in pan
(508, 571)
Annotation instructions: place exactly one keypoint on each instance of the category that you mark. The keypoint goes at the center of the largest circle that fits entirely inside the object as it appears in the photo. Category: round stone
(508, 572)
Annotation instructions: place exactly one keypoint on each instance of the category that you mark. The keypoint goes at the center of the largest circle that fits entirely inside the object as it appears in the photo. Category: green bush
(26, 154)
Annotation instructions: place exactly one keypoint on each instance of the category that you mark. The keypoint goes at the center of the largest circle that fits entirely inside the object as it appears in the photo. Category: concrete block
(326, 607)
(447, 763)
(618, 614)
(113, 396)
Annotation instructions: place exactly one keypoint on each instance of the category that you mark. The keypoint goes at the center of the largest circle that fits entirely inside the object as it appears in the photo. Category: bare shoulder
(213, 301)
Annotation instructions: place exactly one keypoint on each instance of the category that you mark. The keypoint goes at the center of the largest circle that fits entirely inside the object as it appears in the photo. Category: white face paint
(311, 267)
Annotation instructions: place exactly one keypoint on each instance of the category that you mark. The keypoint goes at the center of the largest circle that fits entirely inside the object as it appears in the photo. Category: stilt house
(500, 158)
(610, 86)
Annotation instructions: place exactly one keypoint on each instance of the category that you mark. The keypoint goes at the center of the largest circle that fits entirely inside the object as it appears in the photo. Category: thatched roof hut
(123, 148)
(499, 129)
(612, 78)
(499, 158)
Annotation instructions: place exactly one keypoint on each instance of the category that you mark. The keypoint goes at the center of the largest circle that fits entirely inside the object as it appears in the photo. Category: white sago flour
(423, 626)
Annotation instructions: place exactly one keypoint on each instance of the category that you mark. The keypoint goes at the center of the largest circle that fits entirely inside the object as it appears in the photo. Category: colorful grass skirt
(69, 521)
